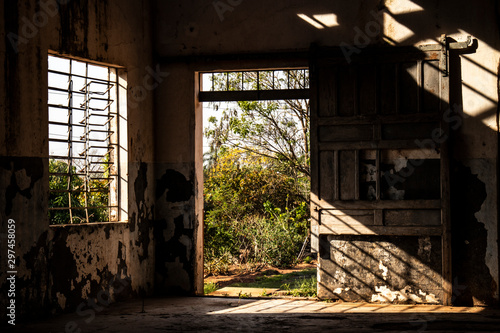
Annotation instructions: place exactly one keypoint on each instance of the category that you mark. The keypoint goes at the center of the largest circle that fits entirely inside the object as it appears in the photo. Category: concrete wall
(65, 268)
(188, 34)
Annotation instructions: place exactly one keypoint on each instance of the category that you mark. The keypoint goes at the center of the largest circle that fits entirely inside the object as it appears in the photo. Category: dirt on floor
(246, 274)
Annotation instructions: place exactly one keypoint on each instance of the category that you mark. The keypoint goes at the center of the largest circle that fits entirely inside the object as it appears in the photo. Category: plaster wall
(193, 32)
(65, 268)
(161, 45)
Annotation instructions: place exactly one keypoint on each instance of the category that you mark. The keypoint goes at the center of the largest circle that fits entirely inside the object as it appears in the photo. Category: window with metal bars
(279, 84)
(83, 141)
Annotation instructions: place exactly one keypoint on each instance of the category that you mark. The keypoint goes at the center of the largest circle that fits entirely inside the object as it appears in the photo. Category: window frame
(109, 134)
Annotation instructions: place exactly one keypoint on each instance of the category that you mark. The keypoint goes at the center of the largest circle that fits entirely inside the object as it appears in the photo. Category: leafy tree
(61, 182)
(257, 174)
(276, 129)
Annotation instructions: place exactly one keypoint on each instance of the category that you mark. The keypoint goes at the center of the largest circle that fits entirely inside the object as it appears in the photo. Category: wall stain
(12, 110)
(36, 286)
(172, 251)
(33, 167)
(177, 186)
(63, 269)
(469, 240)
(74, 18)
(142, 220)
(141, 182)
(101, 13)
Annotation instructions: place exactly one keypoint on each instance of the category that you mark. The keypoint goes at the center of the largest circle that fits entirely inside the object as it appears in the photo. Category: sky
(61, 98)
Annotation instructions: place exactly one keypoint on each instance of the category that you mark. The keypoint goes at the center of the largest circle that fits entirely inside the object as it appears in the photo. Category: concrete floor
(219, 314)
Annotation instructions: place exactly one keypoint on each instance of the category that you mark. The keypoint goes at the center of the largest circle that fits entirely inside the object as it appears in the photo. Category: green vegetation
(297, 284)
(253, 213)
(210, 287)
(256, 178)
(306, 287)
(59, 180)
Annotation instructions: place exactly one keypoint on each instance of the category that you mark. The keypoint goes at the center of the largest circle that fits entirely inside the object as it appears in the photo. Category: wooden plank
(408, 89)
(408, 131)
(347, 212)
(387, 91)
(379, 204)
(385, 119)
(384, 144)
(252, 95)
(347, 176)
(378, 56)
(378, 230)
(314, 195)
(356, 175)
(445, 186)
(327, 97)
(314, 238)
(346, 217)
(430, 98)
(327, 175)
(412, 217)
(355, 91)
(345, 133)
(336, 184)
(419, 85)
(379, 217)
(378, 187)
(367, 90)
(346, 90)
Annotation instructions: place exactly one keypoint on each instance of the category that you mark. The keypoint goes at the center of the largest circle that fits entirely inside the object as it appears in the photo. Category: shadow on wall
(389, 268)
(364, 255)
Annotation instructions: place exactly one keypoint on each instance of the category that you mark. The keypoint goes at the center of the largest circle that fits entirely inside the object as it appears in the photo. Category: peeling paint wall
(67, 268)
(380, 269)
(159, 249)
(200, 28)
(174, 230)
(475, 263)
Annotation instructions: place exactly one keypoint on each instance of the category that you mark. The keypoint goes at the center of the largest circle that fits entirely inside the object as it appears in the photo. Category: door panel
(379, 159)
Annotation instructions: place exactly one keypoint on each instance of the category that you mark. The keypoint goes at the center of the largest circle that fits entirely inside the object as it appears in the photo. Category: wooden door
(379, 157)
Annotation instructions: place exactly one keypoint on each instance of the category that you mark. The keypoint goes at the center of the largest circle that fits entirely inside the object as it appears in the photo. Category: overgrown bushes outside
(254, 213)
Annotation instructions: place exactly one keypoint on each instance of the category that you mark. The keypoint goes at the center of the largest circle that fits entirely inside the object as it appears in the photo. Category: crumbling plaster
(160, 246)
(199, 28)
(61, 267)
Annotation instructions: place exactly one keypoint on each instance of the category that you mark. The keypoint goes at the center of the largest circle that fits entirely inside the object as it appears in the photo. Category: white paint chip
(386, 295)
(431, 298)
(384, 270)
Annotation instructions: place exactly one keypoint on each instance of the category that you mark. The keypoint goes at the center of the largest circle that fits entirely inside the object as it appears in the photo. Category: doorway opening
(256, 182)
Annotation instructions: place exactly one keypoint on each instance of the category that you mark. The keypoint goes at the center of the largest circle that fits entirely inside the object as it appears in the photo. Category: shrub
(254, 212)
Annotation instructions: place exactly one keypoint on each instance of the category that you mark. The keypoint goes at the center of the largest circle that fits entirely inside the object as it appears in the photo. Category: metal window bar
(221, 89)
(95, 168)
(300, 74)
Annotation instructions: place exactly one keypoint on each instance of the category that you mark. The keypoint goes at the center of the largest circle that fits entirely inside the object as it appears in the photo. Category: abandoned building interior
(405, 88)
